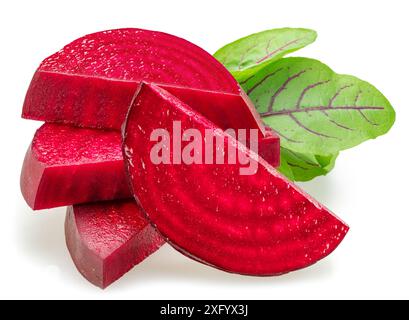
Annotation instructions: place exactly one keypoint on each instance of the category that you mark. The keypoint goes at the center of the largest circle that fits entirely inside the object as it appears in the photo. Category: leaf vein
(259, 83)
(335, 122)
(283, 87)
(318, 108)
(367, 119)
(358, 96)
(243, 56)
(242, 83)
(310, 130)
(308, 88)
(278, 50)
(296, 166)
(336, 95)
(301, 159)
(287, 138)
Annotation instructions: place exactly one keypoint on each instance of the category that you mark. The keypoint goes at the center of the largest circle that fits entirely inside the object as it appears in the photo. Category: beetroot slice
(66, 165)
(269, 148)
(259, 224)
(226, 110)
(91, 81)
(106, 240)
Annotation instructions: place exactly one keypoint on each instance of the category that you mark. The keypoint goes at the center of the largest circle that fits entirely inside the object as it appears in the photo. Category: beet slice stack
(65, 165)
(259, 224)
(83, 93)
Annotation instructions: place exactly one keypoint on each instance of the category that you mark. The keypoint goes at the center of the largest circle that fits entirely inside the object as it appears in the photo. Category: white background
(368, 187)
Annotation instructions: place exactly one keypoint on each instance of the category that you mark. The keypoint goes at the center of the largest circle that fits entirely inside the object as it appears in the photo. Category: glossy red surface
(107, 239)
(269, 147)
(259, 224)
(226, 110)
(66, 165)
(91, 81)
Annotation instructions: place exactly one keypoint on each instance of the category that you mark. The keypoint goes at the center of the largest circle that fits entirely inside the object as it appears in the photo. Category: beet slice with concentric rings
(259, 224)
(91, 81)
(107, 239)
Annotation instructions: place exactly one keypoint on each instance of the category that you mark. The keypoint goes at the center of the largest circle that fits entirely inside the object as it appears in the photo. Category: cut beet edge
(91, 81)
(66, 165)
(226, 110)
(259, 224)
(106, 240)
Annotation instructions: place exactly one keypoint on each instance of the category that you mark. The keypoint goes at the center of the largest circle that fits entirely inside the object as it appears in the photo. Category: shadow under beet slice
(107, 239)
(92, 80)
(259, 224)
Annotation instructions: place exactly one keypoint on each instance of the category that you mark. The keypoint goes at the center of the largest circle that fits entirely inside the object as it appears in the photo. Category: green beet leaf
(247, 55)
(315, 110)
(303, 166)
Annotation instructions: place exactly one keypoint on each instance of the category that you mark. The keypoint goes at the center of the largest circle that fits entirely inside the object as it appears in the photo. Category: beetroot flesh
(106, 240)
(66, 165)
(226, 110)
(269, 147)
(92, 80)
(260, 224)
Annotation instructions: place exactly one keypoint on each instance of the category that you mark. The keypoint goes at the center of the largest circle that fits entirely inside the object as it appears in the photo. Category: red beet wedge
(106, 240)
(227, 110)
(66, 165)
(91, 81)
(259, 224)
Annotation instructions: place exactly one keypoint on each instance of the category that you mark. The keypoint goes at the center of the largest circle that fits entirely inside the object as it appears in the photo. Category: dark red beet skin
(91, 81)
(259, 224)
(106, 240)
(66, 165)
